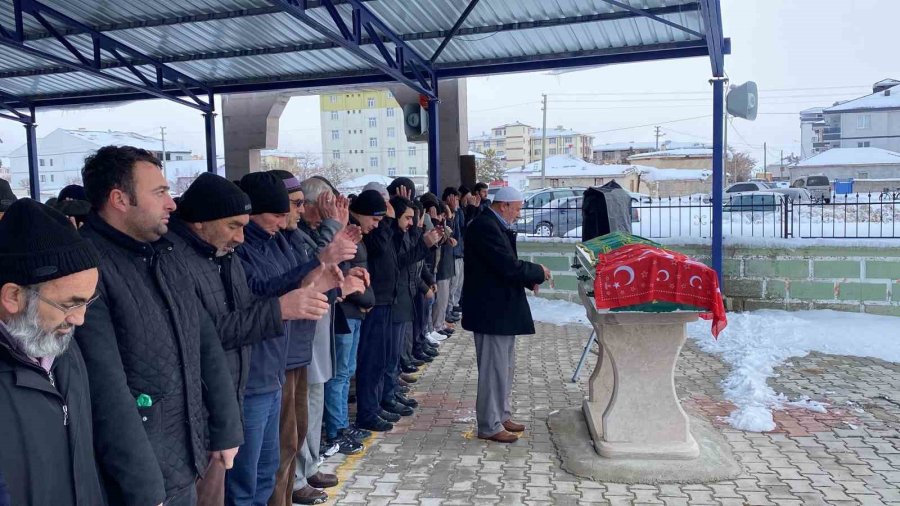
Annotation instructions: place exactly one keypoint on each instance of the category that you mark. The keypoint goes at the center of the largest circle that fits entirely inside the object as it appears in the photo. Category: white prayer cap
(374, 185)
(508, 194)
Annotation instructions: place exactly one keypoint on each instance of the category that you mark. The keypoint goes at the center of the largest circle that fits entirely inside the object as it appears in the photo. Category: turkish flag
(639, 274)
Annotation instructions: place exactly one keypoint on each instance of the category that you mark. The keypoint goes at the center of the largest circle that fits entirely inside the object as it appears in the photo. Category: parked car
(748, 186)
(539, 198)
(758, 201)
(819, 187)
(554, 218)
(795, 194)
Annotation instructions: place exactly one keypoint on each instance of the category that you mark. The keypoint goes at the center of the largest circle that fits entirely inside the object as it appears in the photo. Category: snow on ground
(755, 344)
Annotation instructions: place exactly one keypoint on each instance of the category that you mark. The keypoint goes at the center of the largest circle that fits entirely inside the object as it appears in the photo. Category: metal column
(434, 150)
(31, 145)
(209, 119)
(718, 173)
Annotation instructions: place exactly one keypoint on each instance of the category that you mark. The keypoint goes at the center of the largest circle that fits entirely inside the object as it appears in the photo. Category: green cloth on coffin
(611, 242)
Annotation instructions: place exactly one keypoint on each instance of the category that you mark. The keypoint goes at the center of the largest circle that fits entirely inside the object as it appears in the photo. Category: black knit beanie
(38, 244)
(402, 181)
(290, 180)
(369, 203)
(211, 197)
(7, 197)
(267, 193)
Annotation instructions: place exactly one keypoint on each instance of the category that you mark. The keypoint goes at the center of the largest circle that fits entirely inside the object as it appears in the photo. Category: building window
(334, 115)
(373, 161)
(41, 162)
(864, 144)
(43, 177)
(373, 142)
(391, 131)
(411, 170)
(864, 122)
(51, 162)
(392, 152)
(500, 143)
(487, 144)
(51, 176)
(333, 99)
(568, 140)
(336, 154)
(392, 171)
(373, 122)
(552, 141)
(389, 94)
(552, 151)
(371, 102)
(411, 151)
(390, 112)
(537, 152)
(862, 175)
(336, 134)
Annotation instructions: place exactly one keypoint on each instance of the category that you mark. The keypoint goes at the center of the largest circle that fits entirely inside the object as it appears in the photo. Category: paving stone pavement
(848, 455)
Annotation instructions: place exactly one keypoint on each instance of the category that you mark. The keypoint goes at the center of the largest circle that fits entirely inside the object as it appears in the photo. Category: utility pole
(765, 166)
(658, 135)
(162, 133)
(544, 143)
(782, 163)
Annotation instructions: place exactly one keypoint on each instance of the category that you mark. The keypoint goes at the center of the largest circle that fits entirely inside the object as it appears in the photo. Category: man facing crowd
(48, 277)
(159, 380)
(495, 286)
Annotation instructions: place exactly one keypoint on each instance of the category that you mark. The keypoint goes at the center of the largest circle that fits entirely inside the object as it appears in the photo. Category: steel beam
(34, 177)
(400, 66)
(718, 175)
(654, 17)
(11, 104)
(91, 64)
(434, 143)
(454, 30)
(209, 121)
(712, 19)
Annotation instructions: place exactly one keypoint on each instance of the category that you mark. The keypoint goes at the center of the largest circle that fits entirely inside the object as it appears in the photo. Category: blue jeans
(337, 389)
(251, 481)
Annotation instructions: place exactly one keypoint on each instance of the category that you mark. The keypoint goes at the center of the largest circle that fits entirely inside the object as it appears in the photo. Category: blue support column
(209, 119)
(718, 173)
(31, 146)
(434, 138)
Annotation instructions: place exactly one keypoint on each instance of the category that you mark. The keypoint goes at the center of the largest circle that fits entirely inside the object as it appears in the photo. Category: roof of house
(359, 182)
(651, 145)
(555, 132)
(675, 174)
(698, 152)
(851, 156)
(886, 99)
(116, 138)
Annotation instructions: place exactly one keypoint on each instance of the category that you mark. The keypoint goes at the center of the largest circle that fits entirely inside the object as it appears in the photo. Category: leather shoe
(452, 319)
(431, 352)
(501, 437)
(388, 416)
(416, 362)
(379, 425)
(446, 332)
(396, 407)
(408, 378)
(406, 401)
(322, 480)
(409, 369)
(512, 426)
(403, 389)
(422, 356)
(308, 495)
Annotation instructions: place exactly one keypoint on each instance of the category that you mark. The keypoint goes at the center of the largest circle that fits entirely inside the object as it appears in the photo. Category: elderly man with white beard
(48, 278)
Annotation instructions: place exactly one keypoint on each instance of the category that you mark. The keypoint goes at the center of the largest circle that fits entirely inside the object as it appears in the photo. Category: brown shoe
(501, 437)
(322, 480)
(513, 426)
(309, 495)
(408, 378)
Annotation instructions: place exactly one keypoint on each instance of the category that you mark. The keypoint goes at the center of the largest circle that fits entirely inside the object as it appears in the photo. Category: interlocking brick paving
(848, 455)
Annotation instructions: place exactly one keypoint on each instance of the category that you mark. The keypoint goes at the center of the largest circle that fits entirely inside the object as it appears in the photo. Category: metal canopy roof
(60, 52)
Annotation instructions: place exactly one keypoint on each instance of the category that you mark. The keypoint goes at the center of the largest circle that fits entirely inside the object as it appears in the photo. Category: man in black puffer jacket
(153, 356)
(207, 227)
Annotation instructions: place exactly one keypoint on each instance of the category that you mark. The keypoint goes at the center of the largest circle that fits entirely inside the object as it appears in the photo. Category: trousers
(496, 359)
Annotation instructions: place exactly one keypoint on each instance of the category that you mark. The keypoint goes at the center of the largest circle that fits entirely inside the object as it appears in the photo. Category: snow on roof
(889, 98)
(479, 137)
(359, 182)
(887, 82)
(852, 156)
(477, 155)
(114, 138)
(568, 166)
(700, 152)
(624, 146)
(813, 110)
(555, 132)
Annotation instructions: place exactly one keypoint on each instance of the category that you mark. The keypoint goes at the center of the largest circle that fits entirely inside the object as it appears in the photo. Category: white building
(61, 155)
(850, 163)
(869, 121)
(364, 131)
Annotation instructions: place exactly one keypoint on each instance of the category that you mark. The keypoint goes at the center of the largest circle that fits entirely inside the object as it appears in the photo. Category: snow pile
(755, 344)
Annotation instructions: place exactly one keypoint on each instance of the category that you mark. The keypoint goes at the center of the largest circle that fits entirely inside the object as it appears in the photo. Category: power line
(705, 92)
(649, 124)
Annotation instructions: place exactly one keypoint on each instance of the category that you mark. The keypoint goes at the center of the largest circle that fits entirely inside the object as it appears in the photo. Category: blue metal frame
(9, 103)
(209, 123)
(718, 175)
(405, 65)
(454, 30)
(92, 64)
(434, 143)
(712, 18)
(654, 17)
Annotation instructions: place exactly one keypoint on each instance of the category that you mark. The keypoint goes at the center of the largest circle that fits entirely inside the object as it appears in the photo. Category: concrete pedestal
(632, 410)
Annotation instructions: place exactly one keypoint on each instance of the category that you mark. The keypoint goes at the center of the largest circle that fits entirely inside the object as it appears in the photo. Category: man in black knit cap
(7, 197)
(48, 277)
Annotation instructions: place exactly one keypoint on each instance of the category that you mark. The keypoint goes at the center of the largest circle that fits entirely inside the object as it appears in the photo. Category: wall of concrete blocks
(857, 279)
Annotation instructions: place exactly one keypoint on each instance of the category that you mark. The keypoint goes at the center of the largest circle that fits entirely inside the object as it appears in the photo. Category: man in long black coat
(496, 310)
(48, 276)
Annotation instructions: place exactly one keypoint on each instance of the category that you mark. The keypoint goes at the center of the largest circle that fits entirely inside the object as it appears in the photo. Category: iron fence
(757, 214)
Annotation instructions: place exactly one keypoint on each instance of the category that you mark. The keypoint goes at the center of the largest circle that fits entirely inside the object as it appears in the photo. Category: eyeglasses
(299, 202)
(67, 310)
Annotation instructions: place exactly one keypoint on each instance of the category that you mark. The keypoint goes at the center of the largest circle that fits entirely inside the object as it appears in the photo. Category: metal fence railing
(764, 214)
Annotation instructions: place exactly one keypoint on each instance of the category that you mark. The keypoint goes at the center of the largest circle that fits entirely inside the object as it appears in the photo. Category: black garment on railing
(606, 209)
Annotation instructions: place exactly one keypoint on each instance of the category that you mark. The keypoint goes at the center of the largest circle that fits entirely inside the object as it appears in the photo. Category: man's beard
(31, 338)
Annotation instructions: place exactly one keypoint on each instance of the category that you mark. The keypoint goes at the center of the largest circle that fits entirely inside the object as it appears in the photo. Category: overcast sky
(802, 53)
